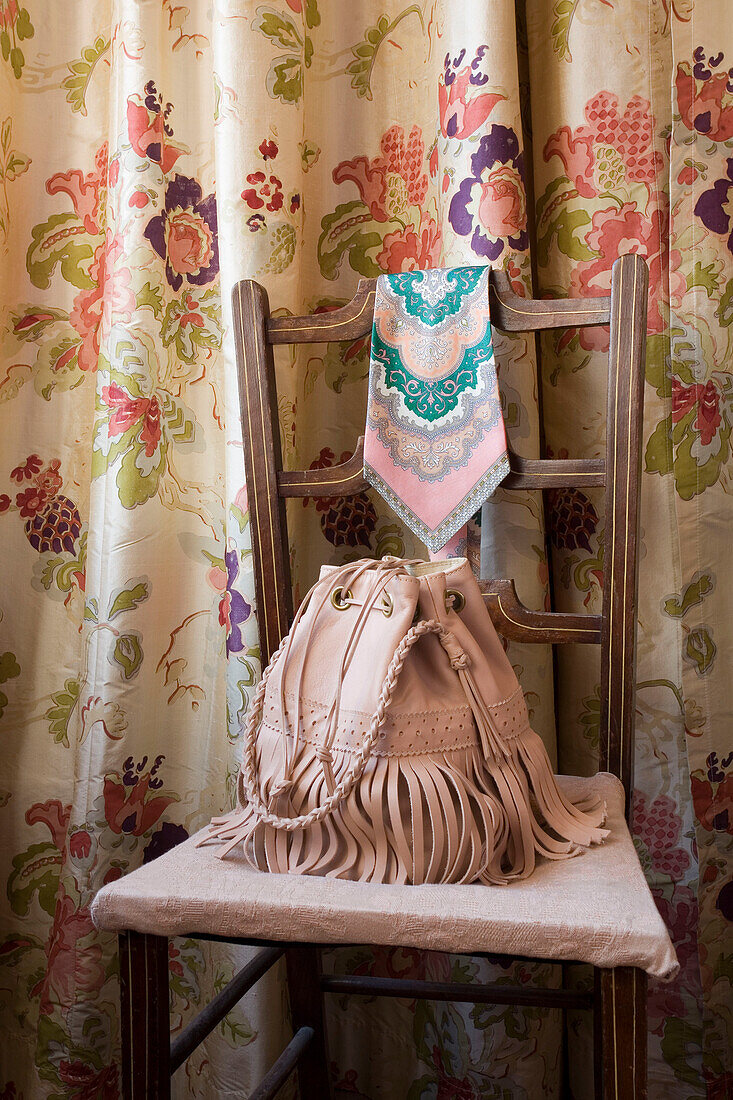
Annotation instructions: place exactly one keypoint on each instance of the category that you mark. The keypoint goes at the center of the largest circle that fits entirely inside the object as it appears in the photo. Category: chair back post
(625, 402)
(262, 464)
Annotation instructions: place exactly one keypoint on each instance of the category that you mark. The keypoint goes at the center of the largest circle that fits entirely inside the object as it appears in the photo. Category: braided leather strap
(356, 769)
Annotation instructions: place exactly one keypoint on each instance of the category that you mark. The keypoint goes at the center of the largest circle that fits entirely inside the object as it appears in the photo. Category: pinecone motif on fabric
(573, 519)
(349, 521)
(345, 521)
(56, 526)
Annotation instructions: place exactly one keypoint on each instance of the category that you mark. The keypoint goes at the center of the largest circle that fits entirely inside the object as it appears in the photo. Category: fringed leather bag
(389, 741)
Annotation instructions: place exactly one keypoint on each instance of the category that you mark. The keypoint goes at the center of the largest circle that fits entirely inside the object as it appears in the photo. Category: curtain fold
(151, 154)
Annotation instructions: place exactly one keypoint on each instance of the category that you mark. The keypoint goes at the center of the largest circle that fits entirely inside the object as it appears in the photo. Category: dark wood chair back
(256, 332)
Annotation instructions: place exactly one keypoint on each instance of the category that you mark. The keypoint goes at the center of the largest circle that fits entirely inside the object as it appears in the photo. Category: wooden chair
(184, 891)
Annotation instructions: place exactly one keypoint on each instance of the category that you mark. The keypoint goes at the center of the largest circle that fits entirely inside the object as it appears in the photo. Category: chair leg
(620, 1034)
(306, 1008)
(145, 1016)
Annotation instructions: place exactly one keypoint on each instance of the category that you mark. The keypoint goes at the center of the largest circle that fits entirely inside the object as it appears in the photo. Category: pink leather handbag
(389, 741)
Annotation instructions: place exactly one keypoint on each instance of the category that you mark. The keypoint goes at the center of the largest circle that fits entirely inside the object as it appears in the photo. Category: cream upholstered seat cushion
(595, 908)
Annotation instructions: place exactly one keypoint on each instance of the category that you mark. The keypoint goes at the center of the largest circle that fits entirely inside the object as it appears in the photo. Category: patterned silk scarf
(435, 446)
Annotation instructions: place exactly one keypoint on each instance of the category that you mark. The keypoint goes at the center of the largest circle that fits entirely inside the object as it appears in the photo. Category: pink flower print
(461, 110)
(110, 297)
(149, 129)
(705, 97)
(87, 192)
(49, 480)
(131, 410)
(659, 827)
(392, 182)
(614, 146)
(410, 249)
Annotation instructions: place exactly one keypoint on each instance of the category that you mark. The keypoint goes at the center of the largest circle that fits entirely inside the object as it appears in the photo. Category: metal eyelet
(454, 600)
(338, 600)
(388, 605)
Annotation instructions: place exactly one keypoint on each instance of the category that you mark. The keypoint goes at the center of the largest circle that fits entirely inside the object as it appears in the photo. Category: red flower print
(88, 1083)
(448, 1086)
(131, 410)
(54, 815)
(131, 804)
(4, 502)
(707, 401)
(150, 133)
(705, 98)
(687, 175)
(412, 250)
(31, 501)
(265, 191)
(461, 114)
(394, 180)
(49, 479)
(255, 222)
(173, 956)
(80, 844)
(713, 807)
(268, 149)
(225, 607)
(29, 469)
(113, 173)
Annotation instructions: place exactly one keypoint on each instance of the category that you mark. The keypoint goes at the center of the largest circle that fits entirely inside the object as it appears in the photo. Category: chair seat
(595, 908)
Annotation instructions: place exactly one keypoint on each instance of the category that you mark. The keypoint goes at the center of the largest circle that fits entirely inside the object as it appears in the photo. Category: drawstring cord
(383, 571)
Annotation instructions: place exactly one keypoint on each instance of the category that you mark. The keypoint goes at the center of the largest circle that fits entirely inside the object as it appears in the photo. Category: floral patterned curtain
(150, 155)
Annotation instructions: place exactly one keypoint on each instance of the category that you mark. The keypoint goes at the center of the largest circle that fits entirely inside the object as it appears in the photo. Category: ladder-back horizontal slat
(509, 312)
(515, 621)
(347, 478)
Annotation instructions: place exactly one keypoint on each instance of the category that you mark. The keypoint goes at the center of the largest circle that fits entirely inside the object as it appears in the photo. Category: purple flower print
(163, 840)
(233, 608)
(712, 206)
(185, 233)
(491, 205)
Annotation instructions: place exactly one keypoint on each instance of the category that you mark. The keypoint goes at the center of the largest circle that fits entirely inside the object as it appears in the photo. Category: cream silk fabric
(339, 140)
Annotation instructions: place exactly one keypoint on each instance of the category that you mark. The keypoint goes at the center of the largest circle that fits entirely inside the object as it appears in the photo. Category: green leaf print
(351, 231)
(80, 73)
(128, 654)
(127, 599)
(59, 715)
(60, 240)
(693, 594)
(35, 872)
(365, 52)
